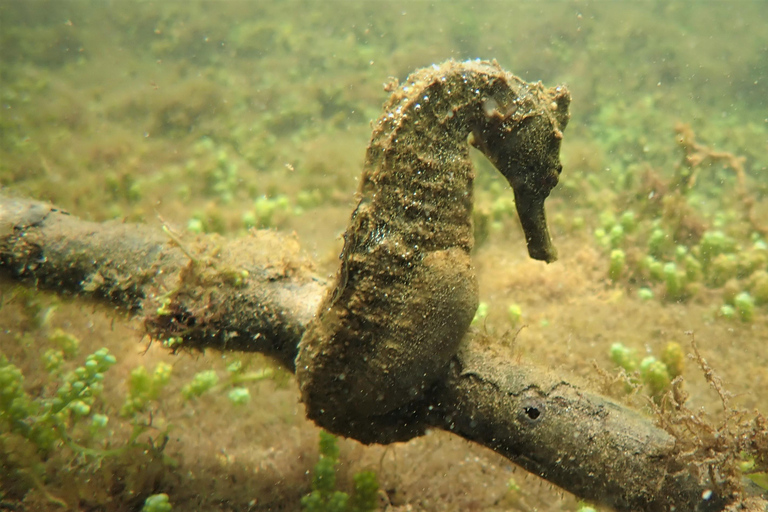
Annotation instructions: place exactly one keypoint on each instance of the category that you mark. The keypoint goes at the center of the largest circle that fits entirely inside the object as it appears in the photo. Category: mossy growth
(234, 383)
(268, 212)
(677, 254)
(655, 374)
(49, 421)
(237, 376)
(515, 314)
(645, 294)
(745, 306)
(481, 314)
(759, 287)
(66, 425)
(623, 357)
(727, 311)
(657, 243)
(324, 496)
(674, 359)
(723, 268)
(713, 244)
(157, 503)
(673, 281)
(144, 388)
(618, 262)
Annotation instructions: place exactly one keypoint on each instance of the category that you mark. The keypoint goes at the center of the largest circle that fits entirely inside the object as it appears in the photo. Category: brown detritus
(697, 156)
(686, 224)
(713, 452)
(406, 291)
(226, 298)
(662, 198)
(667, 198)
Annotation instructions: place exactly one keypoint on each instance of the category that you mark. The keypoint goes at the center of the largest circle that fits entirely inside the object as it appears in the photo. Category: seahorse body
(406, 291)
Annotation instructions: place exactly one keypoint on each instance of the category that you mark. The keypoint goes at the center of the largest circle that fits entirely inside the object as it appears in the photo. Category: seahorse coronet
(406, 290)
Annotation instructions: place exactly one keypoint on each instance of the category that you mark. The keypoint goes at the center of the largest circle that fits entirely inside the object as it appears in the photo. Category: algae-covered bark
(569, 436)
(207, 292)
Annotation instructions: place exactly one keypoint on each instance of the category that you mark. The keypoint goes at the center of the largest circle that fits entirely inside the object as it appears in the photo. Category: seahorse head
(521, 136)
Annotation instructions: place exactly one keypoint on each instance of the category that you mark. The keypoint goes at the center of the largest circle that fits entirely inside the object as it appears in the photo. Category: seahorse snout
(530, 210)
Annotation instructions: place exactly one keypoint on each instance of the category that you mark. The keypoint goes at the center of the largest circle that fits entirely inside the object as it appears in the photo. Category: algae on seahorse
(406, 291)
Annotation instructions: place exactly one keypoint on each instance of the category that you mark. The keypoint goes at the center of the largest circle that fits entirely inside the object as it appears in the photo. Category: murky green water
(217, 117)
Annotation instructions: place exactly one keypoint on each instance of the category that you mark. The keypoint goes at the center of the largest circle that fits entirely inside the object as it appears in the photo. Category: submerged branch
(259, 293)
(255, 294)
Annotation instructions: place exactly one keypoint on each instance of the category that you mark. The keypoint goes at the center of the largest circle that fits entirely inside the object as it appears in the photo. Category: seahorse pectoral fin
(530, 210)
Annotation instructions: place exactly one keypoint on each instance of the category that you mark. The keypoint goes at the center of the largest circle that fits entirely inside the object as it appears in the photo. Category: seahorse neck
(417, 164)
(437, 107)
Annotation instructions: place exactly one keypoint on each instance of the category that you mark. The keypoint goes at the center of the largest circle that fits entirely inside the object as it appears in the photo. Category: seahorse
(406, 290)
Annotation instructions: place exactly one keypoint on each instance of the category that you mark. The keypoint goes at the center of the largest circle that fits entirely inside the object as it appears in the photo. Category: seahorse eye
(549, 182)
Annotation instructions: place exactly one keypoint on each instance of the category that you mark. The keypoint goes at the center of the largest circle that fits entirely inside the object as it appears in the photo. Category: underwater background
(220, 117)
